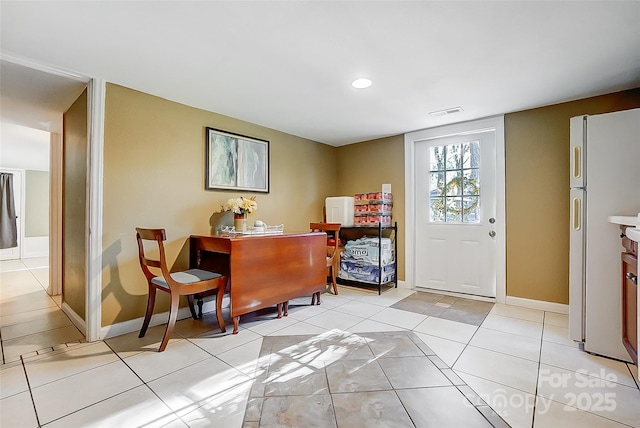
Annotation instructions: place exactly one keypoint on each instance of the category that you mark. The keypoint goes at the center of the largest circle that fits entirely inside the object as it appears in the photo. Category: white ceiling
(288, 65)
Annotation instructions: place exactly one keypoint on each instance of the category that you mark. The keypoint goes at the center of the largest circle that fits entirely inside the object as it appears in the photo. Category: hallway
(31, 321)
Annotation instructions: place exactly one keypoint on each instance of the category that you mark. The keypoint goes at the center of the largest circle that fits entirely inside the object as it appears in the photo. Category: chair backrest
(157, 235)
(332, 230)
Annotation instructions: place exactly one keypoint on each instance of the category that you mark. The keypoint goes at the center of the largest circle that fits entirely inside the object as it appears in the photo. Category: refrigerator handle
(577, 210)
(577, 162)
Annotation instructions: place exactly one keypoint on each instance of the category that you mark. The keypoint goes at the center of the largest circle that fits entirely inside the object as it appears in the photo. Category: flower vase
(240, 222)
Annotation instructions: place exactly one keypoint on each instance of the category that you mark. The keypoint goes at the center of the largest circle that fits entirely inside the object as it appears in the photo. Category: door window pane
(436, 183)
(453, 156)
(471, 182)
(471, 155)
(454, 209)
(437, 209)
(436, 158)
(454, 182)
(471, 209)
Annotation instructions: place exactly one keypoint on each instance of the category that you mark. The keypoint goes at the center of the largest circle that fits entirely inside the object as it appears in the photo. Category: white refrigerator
(605, 181)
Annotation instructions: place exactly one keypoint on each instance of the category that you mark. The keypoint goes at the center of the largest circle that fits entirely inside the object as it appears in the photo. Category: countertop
(634, 235)
(633, 221)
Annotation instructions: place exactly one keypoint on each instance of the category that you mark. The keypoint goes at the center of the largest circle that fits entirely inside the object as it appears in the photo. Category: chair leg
(200, 305)
(151, 301)
(236, 321)
(173, 314)
(219, 297)
(315, 298)
(333, 280)
(192, 308)
(334, 274)
(286, 308)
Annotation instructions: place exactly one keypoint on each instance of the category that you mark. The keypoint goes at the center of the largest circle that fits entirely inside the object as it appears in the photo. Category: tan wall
(36, 215)
(154, 177)
(74, 205)
(154, 153)
(364, 167)
(537, 194)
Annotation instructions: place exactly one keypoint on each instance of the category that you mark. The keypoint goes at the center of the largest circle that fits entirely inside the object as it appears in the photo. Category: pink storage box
(379, 208)
(380, 196)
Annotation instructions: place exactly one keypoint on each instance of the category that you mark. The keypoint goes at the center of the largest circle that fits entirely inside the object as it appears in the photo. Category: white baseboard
(75, 318)
(538, 304)
(35, 246)
(130, 326)
(403, 284)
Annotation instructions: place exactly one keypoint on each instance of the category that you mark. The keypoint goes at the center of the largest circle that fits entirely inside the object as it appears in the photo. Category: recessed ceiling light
(446, 111)
(361, 83)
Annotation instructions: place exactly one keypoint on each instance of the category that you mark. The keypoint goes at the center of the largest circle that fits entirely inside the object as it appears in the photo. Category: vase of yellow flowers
(241, 207)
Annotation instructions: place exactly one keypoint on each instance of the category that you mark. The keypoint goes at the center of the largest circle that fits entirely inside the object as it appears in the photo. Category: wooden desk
(263, 270)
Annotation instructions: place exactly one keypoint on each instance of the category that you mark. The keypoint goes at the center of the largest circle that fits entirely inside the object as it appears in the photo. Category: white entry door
(455, 213)
(14, 253)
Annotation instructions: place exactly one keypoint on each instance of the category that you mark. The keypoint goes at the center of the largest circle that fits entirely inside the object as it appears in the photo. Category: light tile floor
(518, 361)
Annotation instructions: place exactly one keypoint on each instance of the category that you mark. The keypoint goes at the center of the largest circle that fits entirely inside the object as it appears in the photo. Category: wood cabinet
(629, 282)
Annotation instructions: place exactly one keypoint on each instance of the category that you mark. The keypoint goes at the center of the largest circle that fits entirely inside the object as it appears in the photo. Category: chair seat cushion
(186, 277)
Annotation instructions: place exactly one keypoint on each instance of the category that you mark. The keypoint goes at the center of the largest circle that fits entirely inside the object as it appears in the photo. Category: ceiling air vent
(446, 111)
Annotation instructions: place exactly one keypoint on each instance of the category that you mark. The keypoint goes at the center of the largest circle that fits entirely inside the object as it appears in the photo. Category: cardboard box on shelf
(368, 249)
(360, 199)
(379, 208)
(371, 220)
(380, 197)
(358, 271)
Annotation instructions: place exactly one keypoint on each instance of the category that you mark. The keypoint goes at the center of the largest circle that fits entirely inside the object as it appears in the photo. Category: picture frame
(236, 162)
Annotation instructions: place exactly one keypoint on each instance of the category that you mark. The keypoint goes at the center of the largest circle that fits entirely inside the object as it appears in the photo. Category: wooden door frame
(410, 139)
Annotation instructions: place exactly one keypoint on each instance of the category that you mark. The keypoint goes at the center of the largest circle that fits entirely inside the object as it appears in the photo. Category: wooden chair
(333, 252)
(191, 283)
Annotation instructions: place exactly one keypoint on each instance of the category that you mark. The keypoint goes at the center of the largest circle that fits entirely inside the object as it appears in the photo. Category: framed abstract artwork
(236, 162)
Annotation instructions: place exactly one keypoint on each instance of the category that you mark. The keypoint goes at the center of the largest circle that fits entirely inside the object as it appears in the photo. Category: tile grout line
(465, 383)
(2, 341)
(2, 347)
(33, 402)
(417, 342)
(145, 383)
(535, 395)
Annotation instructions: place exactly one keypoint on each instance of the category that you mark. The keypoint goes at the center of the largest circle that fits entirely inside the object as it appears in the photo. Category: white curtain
(8, 228)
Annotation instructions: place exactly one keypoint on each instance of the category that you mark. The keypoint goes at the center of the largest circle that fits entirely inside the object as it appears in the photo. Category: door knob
(492, 233)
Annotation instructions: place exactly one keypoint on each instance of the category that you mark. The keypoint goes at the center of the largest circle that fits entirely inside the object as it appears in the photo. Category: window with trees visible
(454, 183)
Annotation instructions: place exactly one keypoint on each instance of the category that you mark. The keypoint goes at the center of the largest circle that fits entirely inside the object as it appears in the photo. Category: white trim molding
(75, 318)
(93, 304)
(35, 246)
(46, 68)
(495, 123)
(538, 304)
(133, 325)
